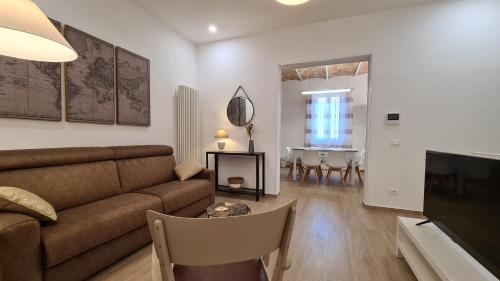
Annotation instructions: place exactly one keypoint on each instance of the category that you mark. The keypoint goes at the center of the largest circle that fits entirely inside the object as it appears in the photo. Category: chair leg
(306, 173)
(342, 181)
(359, 175)
(347, 172)
(328, 174)
(300, 169)
(290, 171)
(318, 174)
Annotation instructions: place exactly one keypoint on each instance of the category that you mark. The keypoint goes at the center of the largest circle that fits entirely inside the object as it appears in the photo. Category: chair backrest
(215, 241)
(336, 159)
(311, 158)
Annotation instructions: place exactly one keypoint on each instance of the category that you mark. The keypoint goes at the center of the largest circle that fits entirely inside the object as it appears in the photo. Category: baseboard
(406, 211)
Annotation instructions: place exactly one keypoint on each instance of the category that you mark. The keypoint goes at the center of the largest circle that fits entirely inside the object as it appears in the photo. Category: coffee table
(227, 209)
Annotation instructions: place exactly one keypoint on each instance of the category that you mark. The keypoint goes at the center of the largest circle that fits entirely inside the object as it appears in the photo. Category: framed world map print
(30, 89)
(133, 90)
(90, 80)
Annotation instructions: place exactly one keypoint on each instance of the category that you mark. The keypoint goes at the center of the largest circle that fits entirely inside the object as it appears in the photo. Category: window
(329, 120)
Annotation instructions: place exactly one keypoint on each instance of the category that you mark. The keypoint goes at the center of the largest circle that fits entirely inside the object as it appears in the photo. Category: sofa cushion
(194, 210)
(143, 172)
(87, 264)
(85, 227)
(179, 194)
(138, 151)
(67, 186)
(46, 157)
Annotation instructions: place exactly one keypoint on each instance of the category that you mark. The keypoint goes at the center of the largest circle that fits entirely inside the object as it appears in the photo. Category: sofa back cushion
(65, 178)
(144, 166)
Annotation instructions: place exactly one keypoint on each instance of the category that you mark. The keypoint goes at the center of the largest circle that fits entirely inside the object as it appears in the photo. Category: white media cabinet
(432, 255)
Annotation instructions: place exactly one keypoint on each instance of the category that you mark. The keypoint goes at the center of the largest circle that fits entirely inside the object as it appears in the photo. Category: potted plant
(250, 130)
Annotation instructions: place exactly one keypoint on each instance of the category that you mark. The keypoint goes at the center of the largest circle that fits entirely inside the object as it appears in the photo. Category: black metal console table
(224, 188)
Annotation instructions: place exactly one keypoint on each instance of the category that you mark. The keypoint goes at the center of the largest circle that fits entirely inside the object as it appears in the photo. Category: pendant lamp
(26, 33)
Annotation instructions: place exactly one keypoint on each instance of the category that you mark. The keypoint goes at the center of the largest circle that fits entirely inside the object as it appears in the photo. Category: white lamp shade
(26, 33)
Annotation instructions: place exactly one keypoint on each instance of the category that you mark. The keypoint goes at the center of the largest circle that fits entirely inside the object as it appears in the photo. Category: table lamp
(221, 134)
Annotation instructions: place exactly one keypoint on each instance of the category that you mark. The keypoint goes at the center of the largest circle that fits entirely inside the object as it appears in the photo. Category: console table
(224, 188)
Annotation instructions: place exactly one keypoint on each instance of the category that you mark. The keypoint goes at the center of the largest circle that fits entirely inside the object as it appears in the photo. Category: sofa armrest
(20, 253)
(209, 175)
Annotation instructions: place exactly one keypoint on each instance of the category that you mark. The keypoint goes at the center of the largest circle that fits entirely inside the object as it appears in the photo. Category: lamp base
(221, 145)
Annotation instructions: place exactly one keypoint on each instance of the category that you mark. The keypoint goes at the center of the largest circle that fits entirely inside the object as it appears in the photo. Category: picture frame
(31, 89)
(90, 80)
(133, 96)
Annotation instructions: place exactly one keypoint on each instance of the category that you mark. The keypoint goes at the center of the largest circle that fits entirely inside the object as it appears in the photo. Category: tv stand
(423, 222)
(433, 256)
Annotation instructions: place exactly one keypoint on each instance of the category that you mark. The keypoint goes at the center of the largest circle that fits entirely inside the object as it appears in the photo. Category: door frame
(369, 109)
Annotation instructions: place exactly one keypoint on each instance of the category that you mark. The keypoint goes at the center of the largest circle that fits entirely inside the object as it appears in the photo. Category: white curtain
(329, 120)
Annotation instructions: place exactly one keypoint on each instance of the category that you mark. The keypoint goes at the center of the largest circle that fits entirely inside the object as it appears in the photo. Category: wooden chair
(336, 161)
(311, 161)
(215, 249)
(290, 155)
(358, 163)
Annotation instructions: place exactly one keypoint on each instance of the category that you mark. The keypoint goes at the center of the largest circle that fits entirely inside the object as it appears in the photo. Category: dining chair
(336, 161)
(229, 248)
(358, 162)
(290, 155)
(311, 161)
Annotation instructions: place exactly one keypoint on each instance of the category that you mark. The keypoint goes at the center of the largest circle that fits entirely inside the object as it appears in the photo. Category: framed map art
(30, 89)
(90, 80)
(132, 93)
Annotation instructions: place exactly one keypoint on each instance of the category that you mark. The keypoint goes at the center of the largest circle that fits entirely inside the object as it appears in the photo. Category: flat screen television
(462, 198)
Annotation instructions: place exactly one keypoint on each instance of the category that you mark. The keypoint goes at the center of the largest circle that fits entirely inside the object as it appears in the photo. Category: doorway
(324, 106)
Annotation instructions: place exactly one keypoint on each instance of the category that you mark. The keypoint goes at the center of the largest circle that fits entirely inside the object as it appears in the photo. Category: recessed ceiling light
(292, 2)
(212, 28)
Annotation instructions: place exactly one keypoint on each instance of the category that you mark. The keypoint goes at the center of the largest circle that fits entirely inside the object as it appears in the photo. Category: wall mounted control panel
(392, 119)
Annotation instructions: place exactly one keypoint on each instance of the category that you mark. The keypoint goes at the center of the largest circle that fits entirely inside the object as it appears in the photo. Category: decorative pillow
(187, 170)
(18, 200)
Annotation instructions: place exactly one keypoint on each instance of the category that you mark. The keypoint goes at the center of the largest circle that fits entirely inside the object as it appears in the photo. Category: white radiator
(188, 124)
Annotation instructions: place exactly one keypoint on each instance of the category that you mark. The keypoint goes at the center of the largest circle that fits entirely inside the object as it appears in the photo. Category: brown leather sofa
(101, 196)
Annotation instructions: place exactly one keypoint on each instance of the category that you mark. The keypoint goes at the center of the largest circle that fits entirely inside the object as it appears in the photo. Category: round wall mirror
(240, 111)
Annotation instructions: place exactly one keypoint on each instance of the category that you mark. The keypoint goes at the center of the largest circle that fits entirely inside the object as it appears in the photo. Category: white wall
(438, 64)
(293, 108)
(172, 62)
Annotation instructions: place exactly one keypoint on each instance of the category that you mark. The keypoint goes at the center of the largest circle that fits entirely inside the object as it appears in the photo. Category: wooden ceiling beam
(298, 74)
(326, 71)
(289, 74)
(358, 68)
(364, 68)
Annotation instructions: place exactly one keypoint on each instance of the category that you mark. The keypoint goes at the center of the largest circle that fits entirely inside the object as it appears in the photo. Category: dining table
(351, 155)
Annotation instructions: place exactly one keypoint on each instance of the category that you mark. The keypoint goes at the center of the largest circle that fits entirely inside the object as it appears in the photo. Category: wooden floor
(335, 237)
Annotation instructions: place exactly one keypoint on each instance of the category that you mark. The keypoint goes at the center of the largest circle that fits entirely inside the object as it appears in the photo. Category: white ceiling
(236, 18)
